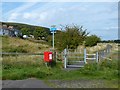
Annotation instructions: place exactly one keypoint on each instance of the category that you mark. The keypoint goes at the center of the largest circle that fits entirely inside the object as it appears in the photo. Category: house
(1, 30)
(4, 30)
(9, 31)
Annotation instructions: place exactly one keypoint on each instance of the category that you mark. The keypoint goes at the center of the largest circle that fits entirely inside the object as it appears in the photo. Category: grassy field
(10, 44)
(22, 67)
(33, 66)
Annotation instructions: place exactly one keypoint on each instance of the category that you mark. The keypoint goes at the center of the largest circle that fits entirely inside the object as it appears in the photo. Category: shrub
(109, 64)
(92, 40)
(90, 69)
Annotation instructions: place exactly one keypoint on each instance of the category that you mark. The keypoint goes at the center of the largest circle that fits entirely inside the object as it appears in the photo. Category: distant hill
(21, 25)
(37, 31)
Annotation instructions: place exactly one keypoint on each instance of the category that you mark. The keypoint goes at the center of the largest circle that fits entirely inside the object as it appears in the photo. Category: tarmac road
(37, 84)
(27, 83)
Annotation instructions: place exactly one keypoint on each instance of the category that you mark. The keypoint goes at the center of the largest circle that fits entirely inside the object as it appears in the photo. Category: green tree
(40, 32)
(92, 40)
(25, 31)
(70, 36)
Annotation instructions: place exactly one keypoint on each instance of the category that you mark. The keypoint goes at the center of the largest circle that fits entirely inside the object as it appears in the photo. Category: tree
(92, 40)
(40, 32)
(70, 36)
(25, 31)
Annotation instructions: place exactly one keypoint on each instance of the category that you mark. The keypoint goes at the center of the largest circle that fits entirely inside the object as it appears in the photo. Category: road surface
(27, 83)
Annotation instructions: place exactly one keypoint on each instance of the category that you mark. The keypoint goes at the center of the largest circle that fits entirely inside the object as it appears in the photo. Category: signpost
(53, 30)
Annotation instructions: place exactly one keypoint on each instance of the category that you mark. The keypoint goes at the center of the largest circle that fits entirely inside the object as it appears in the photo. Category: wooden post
(55, 55)
(85, 55)
(97, 57)
(108, 50)
(65, 58)
(103, 53)
(16, 56)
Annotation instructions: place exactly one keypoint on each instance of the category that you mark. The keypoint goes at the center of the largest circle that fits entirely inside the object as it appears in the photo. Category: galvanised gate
(74, 59)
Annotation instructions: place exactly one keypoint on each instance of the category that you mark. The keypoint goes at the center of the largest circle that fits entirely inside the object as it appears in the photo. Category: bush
(105, 70)
(109, 64)
(90, 69)
(92, 40)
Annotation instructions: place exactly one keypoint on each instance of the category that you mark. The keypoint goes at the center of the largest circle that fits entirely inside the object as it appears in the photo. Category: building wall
(1, 31)
(10, 31)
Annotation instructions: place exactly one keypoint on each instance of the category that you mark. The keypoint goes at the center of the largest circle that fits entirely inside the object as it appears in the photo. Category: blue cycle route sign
(53, 29)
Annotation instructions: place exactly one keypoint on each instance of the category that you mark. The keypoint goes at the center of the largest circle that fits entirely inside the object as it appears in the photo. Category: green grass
(22, 67)
(26, 69)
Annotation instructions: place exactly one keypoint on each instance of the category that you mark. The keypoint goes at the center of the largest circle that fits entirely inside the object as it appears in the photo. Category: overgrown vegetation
(10, 44)
(35, 67)
(92, 40)
(104, 70)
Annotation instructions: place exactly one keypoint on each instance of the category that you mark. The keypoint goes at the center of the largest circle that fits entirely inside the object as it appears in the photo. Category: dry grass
(99, 46)
(9, 43)
(23, 59)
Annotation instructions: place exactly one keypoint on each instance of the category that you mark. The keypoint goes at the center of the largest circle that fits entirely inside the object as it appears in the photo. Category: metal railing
(96, 56)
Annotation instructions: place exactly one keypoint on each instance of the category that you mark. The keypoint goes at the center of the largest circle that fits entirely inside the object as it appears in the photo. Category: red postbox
(47, 56)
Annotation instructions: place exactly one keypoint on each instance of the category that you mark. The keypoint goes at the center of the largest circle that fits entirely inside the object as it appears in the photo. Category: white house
(9, 31)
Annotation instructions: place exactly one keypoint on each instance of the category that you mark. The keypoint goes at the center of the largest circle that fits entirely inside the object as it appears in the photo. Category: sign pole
(53, 29)
(53, 40)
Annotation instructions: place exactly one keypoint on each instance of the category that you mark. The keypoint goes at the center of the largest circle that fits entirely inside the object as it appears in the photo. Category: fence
(103, 54)
(22, 57)
(78, 59)
(70, 58)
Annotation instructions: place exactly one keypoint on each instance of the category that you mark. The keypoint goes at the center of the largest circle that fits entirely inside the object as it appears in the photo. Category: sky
(99, 18)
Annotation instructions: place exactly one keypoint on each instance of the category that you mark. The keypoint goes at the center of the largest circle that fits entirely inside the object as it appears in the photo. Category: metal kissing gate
(74, 59)
(77, 59)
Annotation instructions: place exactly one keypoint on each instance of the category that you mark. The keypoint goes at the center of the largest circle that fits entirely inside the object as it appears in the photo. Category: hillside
(10, 44)
(39, 32)
(21, 25)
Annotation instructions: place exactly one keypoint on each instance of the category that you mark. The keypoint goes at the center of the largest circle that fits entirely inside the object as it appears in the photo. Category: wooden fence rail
(12, 53)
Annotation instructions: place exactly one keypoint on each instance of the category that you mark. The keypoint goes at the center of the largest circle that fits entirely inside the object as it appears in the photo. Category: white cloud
(26, 15)
(91, 15)
(43, 16)
(21, 8)
(13, 16)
